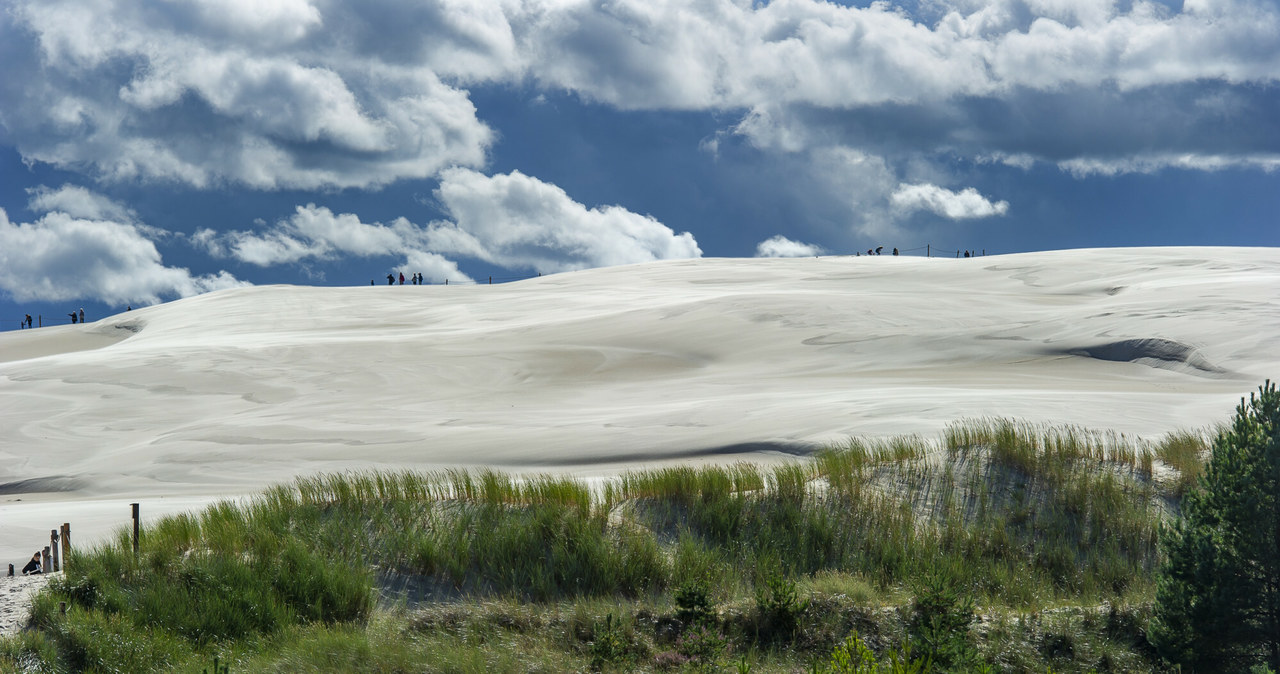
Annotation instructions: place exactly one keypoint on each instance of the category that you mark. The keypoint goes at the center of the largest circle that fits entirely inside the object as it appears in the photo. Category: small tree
(1218, 594)
(939, 625)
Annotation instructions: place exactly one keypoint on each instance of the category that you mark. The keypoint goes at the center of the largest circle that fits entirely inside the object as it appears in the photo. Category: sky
(157, 149)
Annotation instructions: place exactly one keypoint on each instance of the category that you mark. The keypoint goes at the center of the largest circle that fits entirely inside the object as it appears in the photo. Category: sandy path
(15, 600)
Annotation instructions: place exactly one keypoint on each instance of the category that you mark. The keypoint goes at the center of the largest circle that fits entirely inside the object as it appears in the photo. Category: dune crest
(594, 371)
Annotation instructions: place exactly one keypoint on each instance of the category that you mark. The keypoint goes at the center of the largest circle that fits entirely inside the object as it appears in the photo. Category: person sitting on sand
(32, 566)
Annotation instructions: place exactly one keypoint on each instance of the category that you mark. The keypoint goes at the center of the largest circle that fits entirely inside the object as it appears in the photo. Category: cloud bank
(781, 246)
(966, 203)
(512, 220)
(863, 112)
(323, 93)
(518, 221)
(266, 95)
(86, 246)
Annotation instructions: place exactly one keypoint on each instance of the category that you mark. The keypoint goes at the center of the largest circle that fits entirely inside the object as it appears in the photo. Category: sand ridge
(594, 371)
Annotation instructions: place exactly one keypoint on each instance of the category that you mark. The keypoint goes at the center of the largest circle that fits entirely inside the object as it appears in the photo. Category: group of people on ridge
(416, 279)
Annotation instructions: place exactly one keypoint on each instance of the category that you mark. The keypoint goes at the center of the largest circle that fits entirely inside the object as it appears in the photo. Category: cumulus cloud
(317, 233)
(329, 94)
(511, 220)
(79, 202)
(967, 203)
(78, 249)
(518, 221)
(671, 53)
(267, 95)
(781, 246)
(320, 94)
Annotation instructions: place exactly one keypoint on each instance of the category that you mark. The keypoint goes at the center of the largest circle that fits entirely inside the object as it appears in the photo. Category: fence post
(490, 280)
(66, 544)
(53, 544)
(45, 562)
(926, 249)
(135, 528)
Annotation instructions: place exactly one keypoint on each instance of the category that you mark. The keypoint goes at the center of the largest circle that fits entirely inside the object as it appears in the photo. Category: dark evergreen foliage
(1218, 598)
(939, 625)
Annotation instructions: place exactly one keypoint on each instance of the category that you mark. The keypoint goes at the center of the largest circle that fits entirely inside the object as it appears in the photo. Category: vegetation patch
(1001, 546)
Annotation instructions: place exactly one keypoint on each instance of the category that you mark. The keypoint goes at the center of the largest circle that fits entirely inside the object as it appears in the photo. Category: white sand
(593, 371)
(15, 598)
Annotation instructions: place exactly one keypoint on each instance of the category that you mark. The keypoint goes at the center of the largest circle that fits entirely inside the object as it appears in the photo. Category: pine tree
(1218, 595)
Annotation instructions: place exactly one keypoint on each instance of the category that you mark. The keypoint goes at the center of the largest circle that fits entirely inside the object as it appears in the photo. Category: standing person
(391, 279)
(401, 278)
(73, 317)
(81, 314)
(28, 320)
(32, 566)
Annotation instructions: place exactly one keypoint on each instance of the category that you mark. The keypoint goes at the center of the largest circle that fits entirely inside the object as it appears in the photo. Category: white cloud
(781, 246)
(309, 94)
(518, 221)
(81, 253)
(317, 233)
(435, 268)
(511, 220)
(967, 203)
(314, 232)
(79, 202)
(267, 95)
(724, 54)
(1086, 166)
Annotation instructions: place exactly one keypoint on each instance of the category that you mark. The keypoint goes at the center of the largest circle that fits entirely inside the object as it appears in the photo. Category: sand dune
(593, 371)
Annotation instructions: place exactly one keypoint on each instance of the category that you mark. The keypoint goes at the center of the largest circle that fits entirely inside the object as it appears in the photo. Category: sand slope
(592, 371)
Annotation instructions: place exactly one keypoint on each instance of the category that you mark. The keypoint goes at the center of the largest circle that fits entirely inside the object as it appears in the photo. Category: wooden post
(10, 569)
(66, 544)
(927, 246)
(53, 545)
(62, 607)
(135, 528)
(44, 560)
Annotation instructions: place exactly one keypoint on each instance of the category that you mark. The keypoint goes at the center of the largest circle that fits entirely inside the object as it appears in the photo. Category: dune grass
(544, 572)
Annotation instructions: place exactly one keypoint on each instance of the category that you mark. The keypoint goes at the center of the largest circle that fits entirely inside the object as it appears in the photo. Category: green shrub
(939, 625)
(854, 657)
(694, 605)
(1218, 600)
(610, 645)
(778, 608)
(704, 646)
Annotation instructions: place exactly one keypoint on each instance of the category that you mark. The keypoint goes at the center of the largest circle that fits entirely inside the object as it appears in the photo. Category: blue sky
(156, 149)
